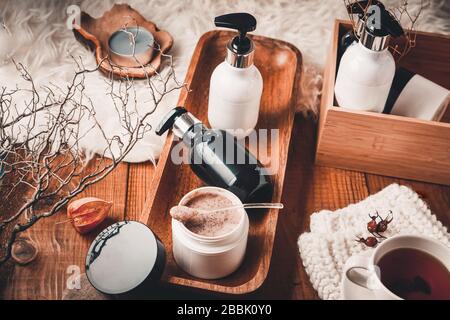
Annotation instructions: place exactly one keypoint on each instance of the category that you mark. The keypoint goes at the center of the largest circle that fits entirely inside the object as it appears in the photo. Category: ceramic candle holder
(98, 32)
(131, 47)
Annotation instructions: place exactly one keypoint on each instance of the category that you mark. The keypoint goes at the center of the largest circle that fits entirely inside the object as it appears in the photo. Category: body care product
(124, 259)
(211, 224)
(414, 96)
(218, 158)
(236, 84)
(367, 68)
(212, 247)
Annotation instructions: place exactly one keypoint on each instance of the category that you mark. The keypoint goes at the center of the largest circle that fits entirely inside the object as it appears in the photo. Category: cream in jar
(209, 245)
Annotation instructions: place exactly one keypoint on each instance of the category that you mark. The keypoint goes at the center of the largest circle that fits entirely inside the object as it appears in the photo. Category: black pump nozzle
(388, 24)
(243, 23)
(168, 121)
(360, 7)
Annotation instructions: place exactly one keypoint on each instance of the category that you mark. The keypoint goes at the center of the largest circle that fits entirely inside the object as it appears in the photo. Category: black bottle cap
(347, 39)
(243, 23)
(360, 7)
(388, 24)
(124, 258)
(168, 121)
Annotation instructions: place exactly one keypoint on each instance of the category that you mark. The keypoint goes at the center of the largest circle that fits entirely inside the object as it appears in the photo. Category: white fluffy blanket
(39, 39)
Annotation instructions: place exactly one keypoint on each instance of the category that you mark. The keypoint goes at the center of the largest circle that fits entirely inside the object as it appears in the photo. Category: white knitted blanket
(331, 241)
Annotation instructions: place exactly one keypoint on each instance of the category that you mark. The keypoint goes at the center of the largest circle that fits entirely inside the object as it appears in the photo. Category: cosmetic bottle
(218, 159)
(236, 84)
(367, 68)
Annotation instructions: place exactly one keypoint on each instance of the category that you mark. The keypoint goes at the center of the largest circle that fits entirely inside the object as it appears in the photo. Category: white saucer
(352, 291)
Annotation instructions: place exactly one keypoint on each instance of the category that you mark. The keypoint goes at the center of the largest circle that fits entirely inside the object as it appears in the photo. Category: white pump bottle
(367, 68)
(236, 84)
(364, 78)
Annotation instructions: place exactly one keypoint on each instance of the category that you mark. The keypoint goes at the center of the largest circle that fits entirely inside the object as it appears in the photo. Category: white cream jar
(210, 257)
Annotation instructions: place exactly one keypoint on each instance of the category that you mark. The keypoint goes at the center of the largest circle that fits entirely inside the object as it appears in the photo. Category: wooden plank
(328, 81)
(384, 144)
(60, 246)
(308, 189)
(140, 178)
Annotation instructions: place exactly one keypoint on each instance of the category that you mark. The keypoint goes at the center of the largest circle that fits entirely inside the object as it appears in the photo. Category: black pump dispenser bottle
(218, 159)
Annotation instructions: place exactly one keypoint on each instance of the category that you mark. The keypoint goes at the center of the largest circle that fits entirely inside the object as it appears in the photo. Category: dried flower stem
(47, 160)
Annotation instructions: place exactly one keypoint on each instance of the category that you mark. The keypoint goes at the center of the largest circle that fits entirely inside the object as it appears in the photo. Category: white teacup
(369, 278)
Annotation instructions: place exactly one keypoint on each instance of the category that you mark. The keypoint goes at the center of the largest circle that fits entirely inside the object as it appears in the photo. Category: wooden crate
(386, 144)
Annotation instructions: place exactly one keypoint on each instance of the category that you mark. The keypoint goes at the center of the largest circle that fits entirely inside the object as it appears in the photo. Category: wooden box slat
(387, 144)
(280, 65)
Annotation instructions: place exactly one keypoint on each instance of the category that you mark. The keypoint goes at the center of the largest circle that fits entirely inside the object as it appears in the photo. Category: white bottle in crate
(367, 68)
(364, 78)
(236, 84)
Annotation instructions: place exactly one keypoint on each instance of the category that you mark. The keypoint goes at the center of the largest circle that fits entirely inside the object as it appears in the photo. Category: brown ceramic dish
(97, 31)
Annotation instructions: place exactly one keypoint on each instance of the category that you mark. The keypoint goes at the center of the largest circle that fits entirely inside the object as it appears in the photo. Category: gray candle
(131, 47)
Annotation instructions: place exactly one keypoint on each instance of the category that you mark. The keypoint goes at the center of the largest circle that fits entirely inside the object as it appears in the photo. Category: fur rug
(38, 38)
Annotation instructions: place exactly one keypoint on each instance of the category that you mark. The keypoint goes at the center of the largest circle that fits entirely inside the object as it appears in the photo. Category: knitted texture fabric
(331, 241)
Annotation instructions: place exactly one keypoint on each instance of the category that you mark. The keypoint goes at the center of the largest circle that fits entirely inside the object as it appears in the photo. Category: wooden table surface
(308, 188)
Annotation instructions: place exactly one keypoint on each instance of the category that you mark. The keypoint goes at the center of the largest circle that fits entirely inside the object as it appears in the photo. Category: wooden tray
(280, 66)
(382, 143)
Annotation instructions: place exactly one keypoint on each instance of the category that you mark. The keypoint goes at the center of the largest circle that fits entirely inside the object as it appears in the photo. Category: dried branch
(40, 144)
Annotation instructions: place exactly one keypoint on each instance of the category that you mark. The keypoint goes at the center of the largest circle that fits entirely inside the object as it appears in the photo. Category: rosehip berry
(372, 225)
(369, 241)
(382, 226)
